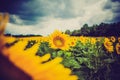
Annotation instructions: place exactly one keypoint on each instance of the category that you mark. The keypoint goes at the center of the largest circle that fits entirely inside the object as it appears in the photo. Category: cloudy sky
(45, 16)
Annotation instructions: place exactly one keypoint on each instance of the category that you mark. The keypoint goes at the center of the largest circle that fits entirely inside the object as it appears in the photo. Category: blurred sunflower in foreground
(59, 40)
(19, 64)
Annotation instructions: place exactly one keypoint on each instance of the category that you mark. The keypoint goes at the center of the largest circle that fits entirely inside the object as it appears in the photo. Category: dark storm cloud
(114, 6)
(14, 7)
(11, 6)
(115, 0)
(55, 8)
(19, 8)
(31, 10)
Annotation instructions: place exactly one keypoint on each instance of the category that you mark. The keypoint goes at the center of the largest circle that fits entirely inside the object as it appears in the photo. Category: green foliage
(44, 48)
(71, 63)
(68, 32)
(88, 61)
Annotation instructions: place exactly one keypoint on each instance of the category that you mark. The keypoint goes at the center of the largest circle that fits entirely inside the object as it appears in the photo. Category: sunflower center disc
(58, 41)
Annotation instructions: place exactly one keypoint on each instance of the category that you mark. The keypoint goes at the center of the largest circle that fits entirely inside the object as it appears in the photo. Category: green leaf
(71, 62)
(59, 53)
(44, 48)
(54, 54)
(82, 60)
(67, 54)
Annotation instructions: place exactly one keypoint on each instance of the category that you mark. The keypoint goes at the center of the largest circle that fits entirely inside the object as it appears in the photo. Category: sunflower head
(59, 40)
(119, 39)
(73, 41)
(112, 38)
(83, 39)
(117, 48)
(93, 40)
(108, 45)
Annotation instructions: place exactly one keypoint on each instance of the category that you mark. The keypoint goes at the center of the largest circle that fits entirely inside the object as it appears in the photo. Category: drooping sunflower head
(108, 45)
(117, 48)
(59, 40)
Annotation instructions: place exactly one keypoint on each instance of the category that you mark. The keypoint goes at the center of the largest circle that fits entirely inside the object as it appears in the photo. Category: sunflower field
(60, 56)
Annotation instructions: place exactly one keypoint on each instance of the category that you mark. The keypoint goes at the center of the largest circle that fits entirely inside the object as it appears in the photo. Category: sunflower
(112, 38)
(73, 41)
(59, 40)
(108, 45)
(83, 40)
(117, 47)
(38, 68)
(93, 40)
(119, 39)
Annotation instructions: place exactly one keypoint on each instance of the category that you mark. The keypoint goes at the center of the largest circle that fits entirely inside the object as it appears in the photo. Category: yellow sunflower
(93, 40)
(108, 45)
(112, 38)
(59, 40)
(36, 67)
(117, 48)
(73, 41)
(83, 39)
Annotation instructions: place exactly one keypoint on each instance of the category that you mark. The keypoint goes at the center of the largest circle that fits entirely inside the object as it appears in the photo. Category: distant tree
(85, 30)
(76, 33)
(8, 34)
(103, 29)
(92, 30)
(68, 32)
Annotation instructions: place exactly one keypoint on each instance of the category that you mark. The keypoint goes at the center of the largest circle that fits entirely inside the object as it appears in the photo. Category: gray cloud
(34, 11)
(44, 16)
(115, 0)
(114, 6)
(54, 8)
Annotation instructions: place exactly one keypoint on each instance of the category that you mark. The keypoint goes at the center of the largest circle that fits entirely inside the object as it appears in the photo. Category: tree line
(103, 29)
